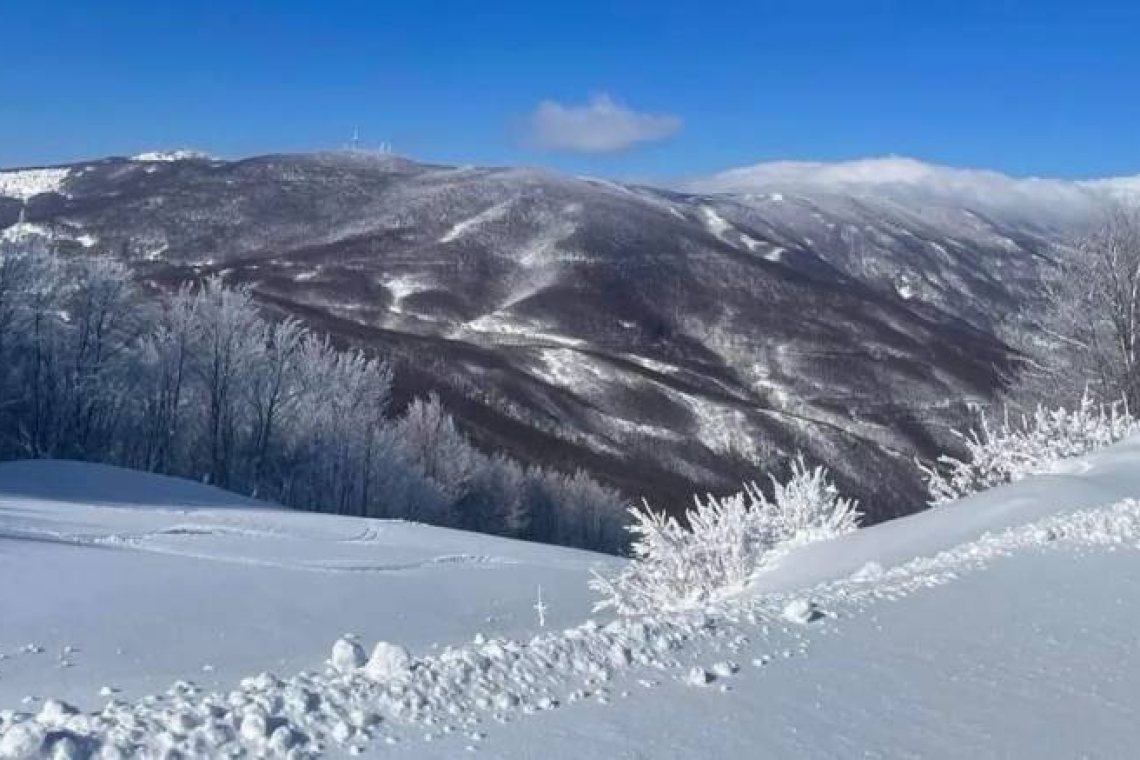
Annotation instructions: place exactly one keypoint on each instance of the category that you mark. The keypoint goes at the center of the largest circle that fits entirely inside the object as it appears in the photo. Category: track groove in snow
(459, 689)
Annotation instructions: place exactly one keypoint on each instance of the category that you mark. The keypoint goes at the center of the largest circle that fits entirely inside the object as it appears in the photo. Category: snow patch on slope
(501, 325)
(26, 232)
(166, 156)
(715, 223)
(402, 286)
(23, 184)
(498, 211)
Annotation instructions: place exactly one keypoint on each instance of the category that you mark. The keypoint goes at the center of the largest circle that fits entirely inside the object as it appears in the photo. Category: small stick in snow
(540, 608)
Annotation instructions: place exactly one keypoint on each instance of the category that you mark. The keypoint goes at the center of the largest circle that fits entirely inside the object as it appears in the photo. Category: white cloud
(600, 126)
(1033, 198)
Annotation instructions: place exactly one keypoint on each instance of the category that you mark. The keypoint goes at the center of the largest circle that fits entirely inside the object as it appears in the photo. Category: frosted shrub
(725, 542)
(808, 507)
(1035, 443)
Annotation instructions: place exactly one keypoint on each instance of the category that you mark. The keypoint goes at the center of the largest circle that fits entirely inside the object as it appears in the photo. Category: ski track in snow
(460, 690)
(143, 542)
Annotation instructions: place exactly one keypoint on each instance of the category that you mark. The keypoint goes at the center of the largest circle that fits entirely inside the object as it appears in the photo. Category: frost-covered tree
(164, 355)
(66, 325)
(201, 384)
(431, 441)
(573, 509)
(1087, 338)
(272, 388)
(340, 418)
(100, 311)
(229, 335)
(723, 542)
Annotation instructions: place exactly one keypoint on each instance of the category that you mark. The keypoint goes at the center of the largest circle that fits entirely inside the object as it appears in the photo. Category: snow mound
(347, 656)
(388, 662)
(23, 184)
(698, 676)
(21, 740)
(800, 611)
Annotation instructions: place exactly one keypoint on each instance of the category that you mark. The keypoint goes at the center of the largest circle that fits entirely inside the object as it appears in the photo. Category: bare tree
(1089, 332)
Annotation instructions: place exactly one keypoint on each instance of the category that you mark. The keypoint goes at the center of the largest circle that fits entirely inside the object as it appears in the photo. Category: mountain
(669, 340)
(146, 616)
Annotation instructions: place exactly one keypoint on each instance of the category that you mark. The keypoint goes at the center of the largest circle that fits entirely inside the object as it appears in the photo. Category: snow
(21, 232)
(502, 327)
(388, 662)
(91, 547)
(800, 611)
(716, 224)
(1000, 625)
(163, 156)
(721, 427)
(570, 368)
(347, 656)
(458, 230)
(24, 232)
(402, 286)
(23, 184)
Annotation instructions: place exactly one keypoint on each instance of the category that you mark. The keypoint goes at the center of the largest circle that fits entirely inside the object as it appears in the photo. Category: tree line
(200, 384)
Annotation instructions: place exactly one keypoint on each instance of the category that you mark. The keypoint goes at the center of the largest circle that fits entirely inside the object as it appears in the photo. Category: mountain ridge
(667, 341)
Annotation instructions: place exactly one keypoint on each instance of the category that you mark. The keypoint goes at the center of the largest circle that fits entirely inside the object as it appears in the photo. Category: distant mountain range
(669, 340)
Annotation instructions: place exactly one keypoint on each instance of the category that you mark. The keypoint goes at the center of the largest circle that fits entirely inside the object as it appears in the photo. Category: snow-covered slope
(666, 342)
(1002, 625)
(23, 184)
(152, 579)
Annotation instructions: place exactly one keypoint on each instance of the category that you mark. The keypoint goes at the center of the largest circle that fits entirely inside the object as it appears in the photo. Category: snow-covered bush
(807, 507)
(723, 543)
(1021, 446)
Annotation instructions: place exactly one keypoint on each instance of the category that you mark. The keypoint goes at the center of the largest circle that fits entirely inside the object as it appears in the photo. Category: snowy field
(140, 614)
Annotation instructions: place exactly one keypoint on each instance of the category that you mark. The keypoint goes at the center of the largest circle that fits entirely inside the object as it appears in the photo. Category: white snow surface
(1001, 625)
(23, 184)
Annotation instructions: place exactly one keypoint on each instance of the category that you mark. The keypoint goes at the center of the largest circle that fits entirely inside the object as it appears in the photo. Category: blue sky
(636, 89)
